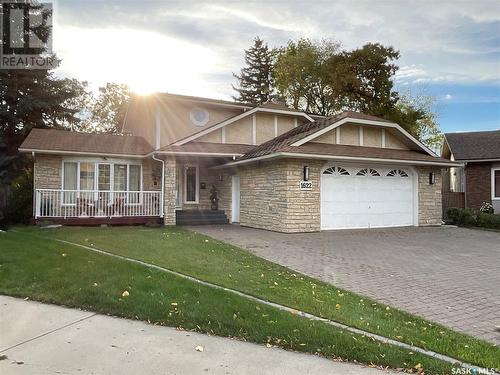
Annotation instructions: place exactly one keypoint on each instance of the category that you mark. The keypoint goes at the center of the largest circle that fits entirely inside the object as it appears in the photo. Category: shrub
(461, 216)
(487, 208)
(19, 208)
(488, 221)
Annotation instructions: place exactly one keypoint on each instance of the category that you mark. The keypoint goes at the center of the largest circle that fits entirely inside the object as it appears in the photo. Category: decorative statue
(213, 198)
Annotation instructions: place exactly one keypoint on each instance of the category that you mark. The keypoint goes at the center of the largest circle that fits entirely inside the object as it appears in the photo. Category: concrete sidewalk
(47, 339)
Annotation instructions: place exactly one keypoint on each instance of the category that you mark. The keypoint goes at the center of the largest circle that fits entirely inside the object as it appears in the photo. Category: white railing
(94, 203)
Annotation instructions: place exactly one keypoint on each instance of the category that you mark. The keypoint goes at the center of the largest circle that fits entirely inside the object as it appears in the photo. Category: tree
(300, 75)
(362, 78)
(254, 81)
(107, 112)
(417, 115)
(31, 98)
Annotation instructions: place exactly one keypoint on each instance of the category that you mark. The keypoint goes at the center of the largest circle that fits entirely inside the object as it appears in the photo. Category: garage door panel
(366, 201)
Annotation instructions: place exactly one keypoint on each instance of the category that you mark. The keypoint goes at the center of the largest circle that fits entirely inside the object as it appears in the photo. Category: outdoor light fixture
(220, 177)
(432, 178)
(306, 173)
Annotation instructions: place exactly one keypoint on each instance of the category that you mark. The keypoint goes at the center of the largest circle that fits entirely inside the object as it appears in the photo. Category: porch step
(200, 217)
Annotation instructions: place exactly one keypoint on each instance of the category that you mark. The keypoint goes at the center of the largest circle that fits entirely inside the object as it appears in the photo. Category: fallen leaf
(63, 254)
(337, 306)
(199, 348)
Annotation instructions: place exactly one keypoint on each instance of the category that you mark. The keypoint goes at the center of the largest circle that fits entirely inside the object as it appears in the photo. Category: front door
(235, 209)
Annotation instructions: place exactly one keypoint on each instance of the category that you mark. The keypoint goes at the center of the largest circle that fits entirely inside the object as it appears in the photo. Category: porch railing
(94, 203)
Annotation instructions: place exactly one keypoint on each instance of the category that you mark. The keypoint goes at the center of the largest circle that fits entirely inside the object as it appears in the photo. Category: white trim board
(344, 158)
(383, 124)
(239, 117)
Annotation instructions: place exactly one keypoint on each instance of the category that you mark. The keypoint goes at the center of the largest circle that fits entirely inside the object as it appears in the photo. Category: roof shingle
(69, 141)
(474, 145)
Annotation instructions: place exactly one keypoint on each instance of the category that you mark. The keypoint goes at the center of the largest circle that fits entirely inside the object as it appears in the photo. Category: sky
(449, 49)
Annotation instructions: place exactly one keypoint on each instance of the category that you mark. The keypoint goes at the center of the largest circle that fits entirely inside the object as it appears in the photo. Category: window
(339, 170)
(368, 172)
(104, 177)
(191, 184)
(101, 177)
(87, 173)
(120, 177)
(134, 183)
(397, 173)
(495, 181)
(70, 171)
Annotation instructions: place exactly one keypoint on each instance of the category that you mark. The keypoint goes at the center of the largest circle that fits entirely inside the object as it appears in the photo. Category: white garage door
(366, 197)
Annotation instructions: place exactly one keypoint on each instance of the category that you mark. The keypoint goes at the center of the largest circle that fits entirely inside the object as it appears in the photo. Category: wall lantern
(306, 173)
(432, 178)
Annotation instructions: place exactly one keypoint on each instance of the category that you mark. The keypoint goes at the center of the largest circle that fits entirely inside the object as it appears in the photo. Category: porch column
(169, 192)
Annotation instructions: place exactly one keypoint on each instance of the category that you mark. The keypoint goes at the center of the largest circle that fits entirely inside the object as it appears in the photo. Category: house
(478, 180)
(268, 167)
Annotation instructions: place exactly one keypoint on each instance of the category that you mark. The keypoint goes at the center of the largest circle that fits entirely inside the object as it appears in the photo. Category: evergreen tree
(254, 81)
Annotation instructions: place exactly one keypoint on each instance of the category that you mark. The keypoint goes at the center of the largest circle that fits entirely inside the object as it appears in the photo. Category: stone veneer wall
(430, 209)
(151, 175)
(271, 198)
(48, 171)
(170, 191)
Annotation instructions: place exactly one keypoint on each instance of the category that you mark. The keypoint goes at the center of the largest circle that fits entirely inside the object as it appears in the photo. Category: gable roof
(65, 141)
(262, 108)
(482, 145)
(307, 132)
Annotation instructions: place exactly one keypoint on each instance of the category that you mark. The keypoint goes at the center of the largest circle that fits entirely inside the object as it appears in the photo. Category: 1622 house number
(305, 185)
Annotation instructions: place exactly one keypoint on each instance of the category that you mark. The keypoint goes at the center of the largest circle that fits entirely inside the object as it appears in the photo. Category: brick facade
(430, 209)
(477, 184)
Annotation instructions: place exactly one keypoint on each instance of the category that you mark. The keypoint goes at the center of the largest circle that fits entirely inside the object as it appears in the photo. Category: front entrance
(235, 199)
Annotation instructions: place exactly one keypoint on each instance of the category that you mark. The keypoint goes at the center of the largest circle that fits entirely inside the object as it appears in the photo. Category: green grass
(64, 274)
(229, 266)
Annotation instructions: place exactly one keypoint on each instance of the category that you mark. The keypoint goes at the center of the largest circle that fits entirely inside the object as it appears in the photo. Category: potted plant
(213, 198)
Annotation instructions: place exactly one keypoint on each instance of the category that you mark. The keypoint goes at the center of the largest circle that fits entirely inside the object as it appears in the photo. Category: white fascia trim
(478, 160)
(85, 153)
(365, 122)
(345, 158)
(197, 153)
(236, 118)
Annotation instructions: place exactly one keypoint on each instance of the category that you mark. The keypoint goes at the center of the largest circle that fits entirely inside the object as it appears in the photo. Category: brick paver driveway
(448, 275)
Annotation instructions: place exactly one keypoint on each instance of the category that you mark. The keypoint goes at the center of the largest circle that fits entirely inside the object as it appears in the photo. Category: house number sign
(305, 185)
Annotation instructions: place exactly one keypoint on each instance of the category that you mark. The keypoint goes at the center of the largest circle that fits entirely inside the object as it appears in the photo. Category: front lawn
(226, 265)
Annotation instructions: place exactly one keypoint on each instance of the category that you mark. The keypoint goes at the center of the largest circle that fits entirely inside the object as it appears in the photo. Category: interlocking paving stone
(448, 275)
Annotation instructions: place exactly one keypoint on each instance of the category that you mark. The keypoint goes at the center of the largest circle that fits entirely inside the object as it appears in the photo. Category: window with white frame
(191, 184)
(101, 177)
(495, 183)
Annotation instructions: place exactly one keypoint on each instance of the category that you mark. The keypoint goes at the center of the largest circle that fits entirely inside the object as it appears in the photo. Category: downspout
(162, 183)
(34, 185)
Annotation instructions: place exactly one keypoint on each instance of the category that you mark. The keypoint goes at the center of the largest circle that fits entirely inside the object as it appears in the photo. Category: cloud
(440, 42)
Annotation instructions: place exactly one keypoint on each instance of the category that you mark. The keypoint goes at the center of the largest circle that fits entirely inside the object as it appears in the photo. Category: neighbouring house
(182, 159)
(478, 179)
